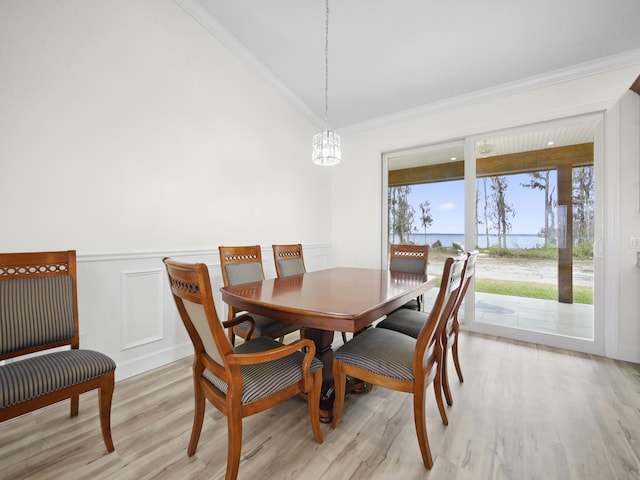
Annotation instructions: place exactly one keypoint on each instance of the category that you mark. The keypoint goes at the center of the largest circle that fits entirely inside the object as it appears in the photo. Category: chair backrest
(241, 264)
(191, 289)
(288, 259)
(38, 302)
(469, 272)
(426, 353)
(409, 258)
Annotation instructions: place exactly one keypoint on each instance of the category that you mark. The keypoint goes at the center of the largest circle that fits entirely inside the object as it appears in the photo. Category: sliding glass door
(528, 200)
(535, 230)
(425, 200)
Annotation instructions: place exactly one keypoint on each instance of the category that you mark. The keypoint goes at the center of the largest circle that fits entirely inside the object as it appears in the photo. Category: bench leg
(75, 403)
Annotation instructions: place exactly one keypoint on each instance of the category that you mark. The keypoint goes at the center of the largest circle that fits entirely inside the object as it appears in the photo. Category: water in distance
(447, 239)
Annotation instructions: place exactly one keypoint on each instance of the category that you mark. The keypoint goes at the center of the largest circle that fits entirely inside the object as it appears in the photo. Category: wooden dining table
(326, 301)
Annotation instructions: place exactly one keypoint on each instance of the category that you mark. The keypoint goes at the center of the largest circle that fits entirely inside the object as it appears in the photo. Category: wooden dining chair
(452, 328)
(39, 315)
(242, 264)
(244, 380)
(288, 259)
(407, 322)
(412, 259)
(393, 360)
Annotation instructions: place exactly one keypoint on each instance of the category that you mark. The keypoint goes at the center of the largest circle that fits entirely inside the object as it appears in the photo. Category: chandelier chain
(326, 143)
(326, 69)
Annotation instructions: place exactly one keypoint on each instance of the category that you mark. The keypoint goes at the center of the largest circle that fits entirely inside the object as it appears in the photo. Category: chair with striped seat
(255, 376)
(396, 361)
(243, 264)
(39, 314)
(452, 329)
(412, 259)
(410, 323)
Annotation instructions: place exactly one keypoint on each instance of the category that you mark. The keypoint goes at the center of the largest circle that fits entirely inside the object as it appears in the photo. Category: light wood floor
(523, 412)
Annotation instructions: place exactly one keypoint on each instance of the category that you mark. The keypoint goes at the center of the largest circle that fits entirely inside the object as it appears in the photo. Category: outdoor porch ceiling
(522, 162)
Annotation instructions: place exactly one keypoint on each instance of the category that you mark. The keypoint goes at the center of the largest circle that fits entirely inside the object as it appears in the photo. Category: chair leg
(437, 390)
(232, 336)
(420, 416)
(234, 435)
(313, 399)
(75, 406)
(344, 337)
(456, 361)
(198, 418)
(105, 395)
(444, 378)
(340, 382)
(444, 375)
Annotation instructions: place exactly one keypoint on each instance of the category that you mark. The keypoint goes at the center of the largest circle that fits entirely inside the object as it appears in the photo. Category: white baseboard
(626, 354)
(157, 359)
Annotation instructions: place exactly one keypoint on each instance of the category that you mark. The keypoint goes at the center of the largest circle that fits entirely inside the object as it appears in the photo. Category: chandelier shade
(326, 148)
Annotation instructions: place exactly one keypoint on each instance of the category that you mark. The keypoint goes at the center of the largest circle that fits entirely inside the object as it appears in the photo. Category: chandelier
(326, 144)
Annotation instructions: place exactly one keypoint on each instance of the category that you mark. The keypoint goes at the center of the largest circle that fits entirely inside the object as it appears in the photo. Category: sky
(446, 200)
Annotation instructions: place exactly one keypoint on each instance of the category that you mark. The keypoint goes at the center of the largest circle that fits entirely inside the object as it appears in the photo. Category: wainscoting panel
(141, 308)
(127, 312)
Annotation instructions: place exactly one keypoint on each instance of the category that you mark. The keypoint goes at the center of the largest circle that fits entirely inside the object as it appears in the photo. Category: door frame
(601, 237)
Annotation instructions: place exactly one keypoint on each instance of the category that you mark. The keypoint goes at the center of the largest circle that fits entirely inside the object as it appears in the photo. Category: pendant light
(326, 144)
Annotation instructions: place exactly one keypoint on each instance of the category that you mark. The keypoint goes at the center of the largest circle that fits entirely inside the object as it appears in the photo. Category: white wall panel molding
(127, 310)
(141, 320)
(197, 253)
(119, 256)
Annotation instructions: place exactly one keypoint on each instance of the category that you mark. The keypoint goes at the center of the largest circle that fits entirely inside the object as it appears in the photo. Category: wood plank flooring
(523, 412)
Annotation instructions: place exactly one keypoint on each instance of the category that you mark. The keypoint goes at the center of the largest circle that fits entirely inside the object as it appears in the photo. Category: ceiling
(389, 59)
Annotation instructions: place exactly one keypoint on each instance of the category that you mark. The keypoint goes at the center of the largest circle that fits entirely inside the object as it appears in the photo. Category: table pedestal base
(323, 340)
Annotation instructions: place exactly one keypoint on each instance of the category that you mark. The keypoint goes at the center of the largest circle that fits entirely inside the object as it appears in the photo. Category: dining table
(326, 301)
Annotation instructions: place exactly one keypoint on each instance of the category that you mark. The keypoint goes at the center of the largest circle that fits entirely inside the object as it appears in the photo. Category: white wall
(125, 126)
(626, 338)
(127, 132)
(357, 207)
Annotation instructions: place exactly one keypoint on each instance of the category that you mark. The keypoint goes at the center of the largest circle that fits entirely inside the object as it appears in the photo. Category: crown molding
(195, 9)
(575, 72)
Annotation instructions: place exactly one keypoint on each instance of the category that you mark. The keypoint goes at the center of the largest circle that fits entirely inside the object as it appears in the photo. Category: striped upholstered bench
(39, 313)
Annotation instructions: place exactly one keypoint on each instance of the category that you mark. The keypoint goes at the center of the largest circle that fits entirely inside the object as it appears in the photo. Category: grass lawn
(542, 291)
(531, 290)
(518, 288)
